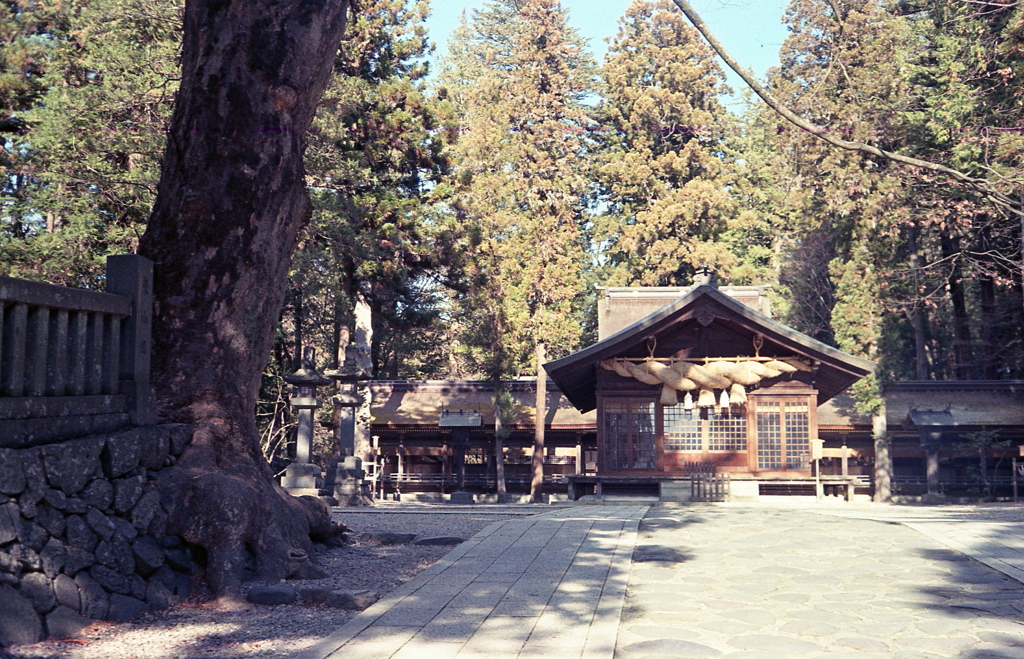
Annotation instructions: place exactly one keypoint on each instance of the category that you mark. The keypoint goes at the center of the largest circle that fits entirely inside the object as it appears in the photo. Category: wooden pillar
(579, 457)
(132, 276)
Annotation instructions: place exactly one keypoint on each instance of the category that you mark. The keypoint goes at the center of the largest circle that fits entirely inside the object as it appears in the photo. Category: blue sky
(751, 29)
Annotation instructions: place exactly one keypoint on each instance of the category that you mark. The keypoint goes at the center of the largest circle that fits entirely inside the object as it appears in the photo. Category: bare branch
(979, 185)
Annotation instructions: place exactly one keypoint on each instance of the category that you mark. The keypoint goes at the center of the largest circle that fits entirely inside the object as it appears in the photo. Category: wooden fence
(709, 487)
(75, 362)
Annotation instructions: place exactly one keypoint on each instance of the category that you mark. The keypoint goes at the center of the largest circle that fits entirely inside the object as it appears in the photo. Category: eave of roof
(576, 374)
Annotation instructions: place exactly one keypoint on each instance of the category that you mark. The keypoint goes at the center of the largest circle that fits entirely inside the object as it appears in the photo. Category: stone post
(301, 476)
(883, 458)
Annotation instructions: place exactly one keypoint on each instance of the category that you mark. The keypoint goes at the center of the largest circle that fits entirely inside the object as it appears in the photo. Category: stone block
(384, 538)
(32, 535)
(99, 493)
(352, 600)
(156, 447)
(104, 554)
(179, 435)
(100, 524)
(440, 540)
(123, 607)
(300, 476)
(66, 591)
(12, 475)
(19, 622)
(314, 594)
(95, 601)
(127, 492)
(676, 491)
(271, 595)
(79, 534)
(124, 558)
(77, 560)
(62, 622)
(158, 596)
(77, 506)
(27, 557)
(36, 588)
(70, 465)
(53, 557)
(50, 519)
(149, 557)
(110, 579)
(145, 509)
(8, 563)
(740, 490)
(35, 473)
(165, 576)
(158, 527)
(137, 586)
(124, 528)
(56, 499)
(179, 558)
(461, 498)
(9, 523)
(121, 453)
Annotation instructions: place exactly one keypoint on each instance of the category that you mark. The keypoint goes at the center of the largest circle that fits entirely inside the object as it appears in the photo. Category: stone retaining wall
(83, 533)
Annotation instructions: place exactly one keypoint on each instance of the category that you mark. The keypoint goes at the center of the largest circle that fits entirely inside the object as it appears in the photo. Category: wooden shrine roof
(705, 323)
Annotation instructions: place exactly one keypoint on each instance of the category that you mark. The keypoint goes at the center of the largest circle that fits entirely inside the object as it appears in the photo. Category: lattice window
(769, 435)
(798, 426)
(727, 431)
(682, 429)
(616, 434)
(629, 434)
(643, 432)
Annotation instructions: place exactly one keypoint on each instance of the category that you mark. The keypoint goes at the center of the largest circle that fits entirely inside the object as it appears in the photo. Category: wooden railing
(709, 487)
(73, 361)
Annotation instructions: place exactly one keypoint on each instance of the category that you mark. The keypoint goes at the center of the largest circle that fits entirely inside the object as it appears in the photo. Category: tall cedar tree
(376, 167)
(663, 168)
(841, 67)
(230, 205)
(522, 162)
(522, 165)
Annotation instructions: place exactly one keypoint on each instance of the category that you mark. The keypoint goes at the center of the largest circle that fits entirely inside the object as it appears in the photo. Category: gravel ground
(196, 629)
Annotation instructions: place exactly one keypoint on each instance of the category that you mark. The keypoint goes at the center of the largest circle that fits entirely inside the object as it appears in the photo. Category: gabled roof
(730, 329)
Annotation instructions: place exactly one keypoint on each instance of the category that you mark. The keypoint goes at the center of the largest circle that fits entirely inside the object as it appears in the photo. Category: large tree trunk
(537, 480)
(230, 205)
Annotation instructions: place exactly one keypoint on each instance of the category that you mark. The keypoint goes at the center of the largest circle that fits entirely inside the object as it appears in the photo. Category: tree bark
(537, 482)
(499, 455)
(962, 344)
(230, 204)
(917, 316)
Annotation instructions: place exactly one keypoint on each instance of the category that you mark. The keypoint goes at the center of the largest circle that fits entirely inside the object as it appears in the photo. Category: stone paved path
(550, 585)
(752, 582)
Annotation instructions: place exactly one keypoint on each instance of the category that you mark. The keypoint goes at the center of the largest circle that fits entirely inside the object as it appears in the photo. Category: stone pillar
(883, 458)
(460, 442)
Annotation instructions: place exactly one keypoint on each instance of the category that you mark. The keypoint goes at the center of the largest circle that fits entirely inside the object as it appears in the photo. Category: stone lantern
(300, 477)
(345, 476)
(460, 423)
